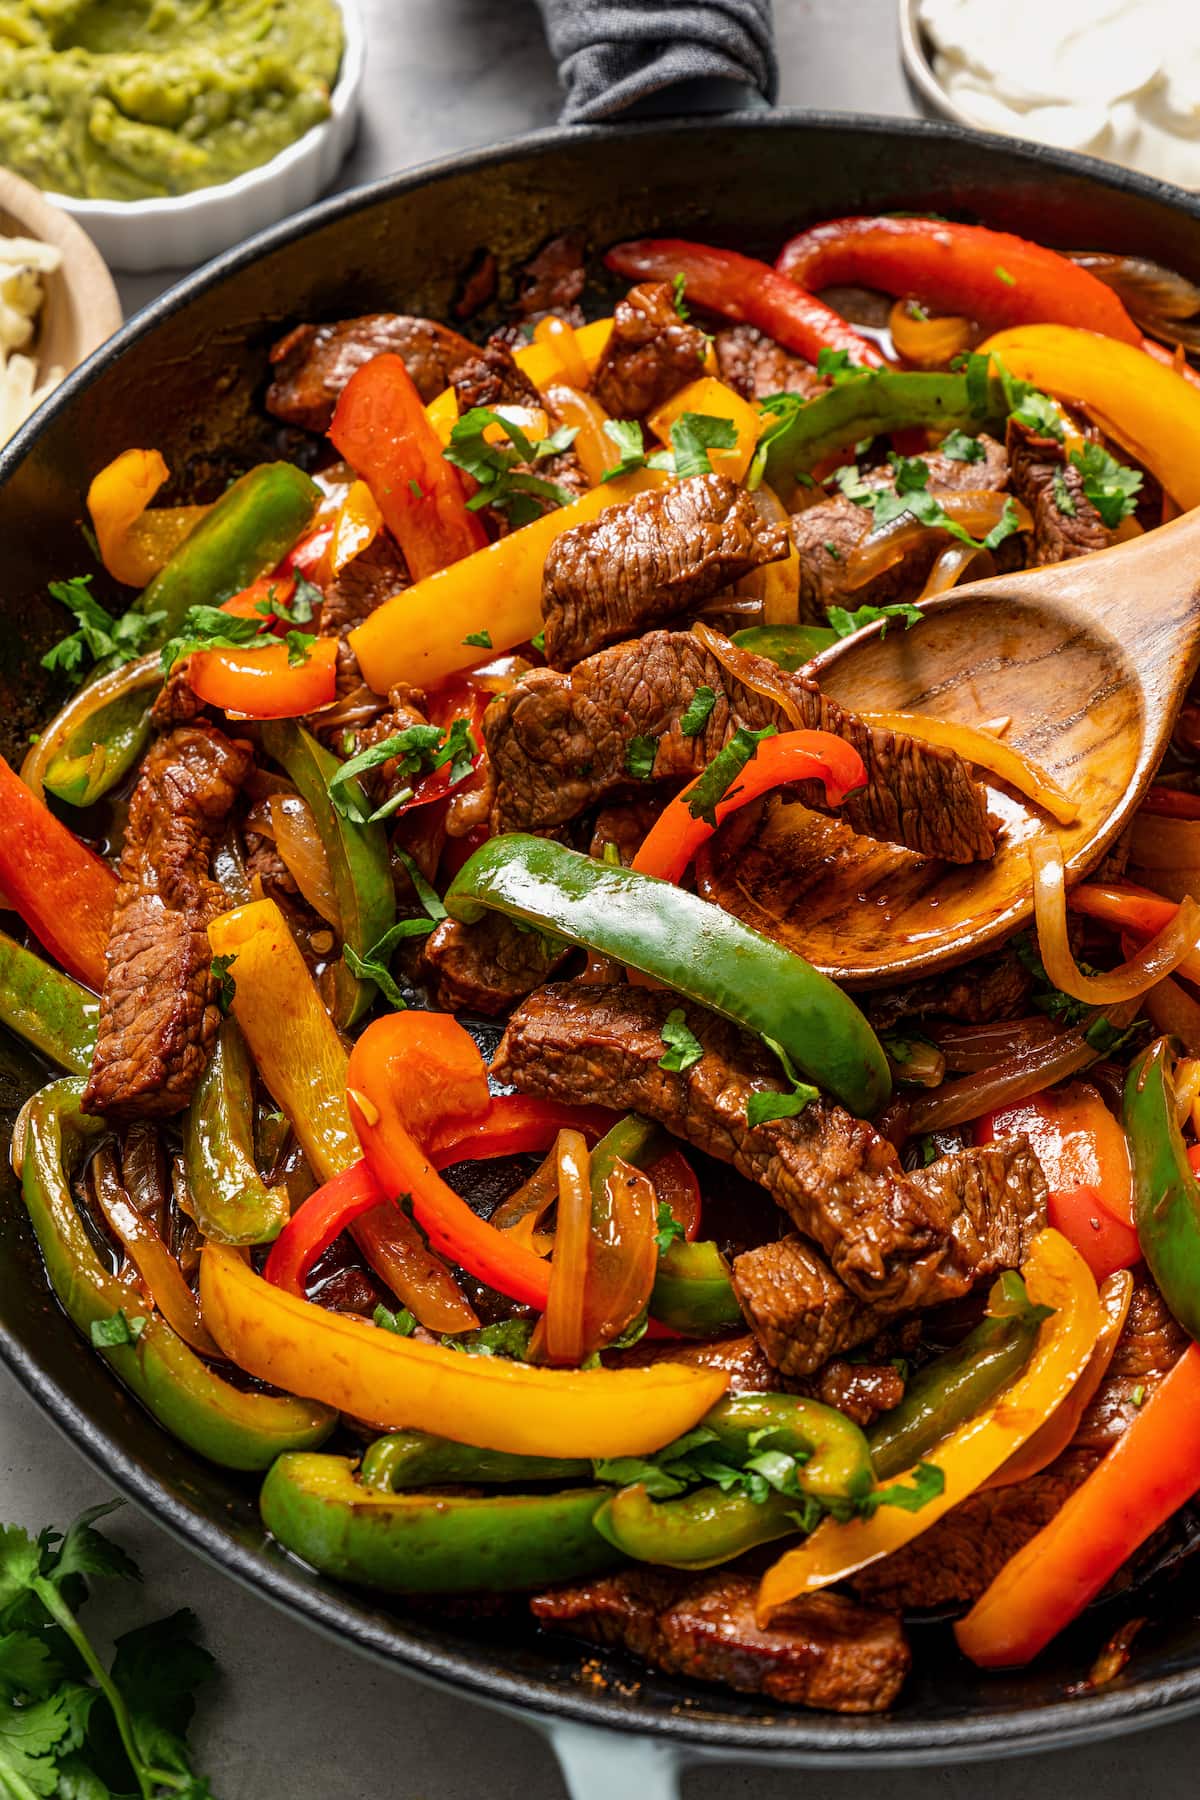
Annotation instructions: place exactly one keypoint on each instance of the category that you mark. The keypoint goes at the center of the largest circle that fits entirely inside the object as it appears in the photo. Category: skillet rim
(814, 1739)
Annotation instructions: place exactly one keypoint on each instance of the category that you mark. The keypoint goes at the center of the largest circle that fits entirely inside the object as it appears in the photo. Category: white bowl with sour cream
(1117, 79)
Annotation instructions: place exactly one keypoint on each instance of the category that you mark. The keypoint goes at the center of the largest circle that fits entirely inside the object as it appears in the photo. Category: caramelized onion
(752, 671)
(928, 343)
(957, 562)
(986, 752)
(1164, 303)
(144, 1246)
(522, 1213)
(361, 706)
(593, 446)
(977, 510)
(560, 1334)
(299, 844)
(969, 1048)
(1158, 842)
(1174, 1013)
(396, 1249)
(1159, 957)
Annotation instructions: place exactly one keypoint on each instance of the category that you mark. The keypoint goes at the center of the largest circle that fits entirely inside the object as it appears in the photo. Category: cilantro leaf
(509, 1337)
(1064, 499)
(26, 1664)
(299, 647)
(836, 366)
(158, 1668)
(30, 1737)
(479, 640)
(20, 1560)
(699, 707)
(418, 750)
(678, 289)
(374, 965)
(208, 628)
(1038, 413)
(763, 1107)
(86, 1551)
(668, 1229)
(928, 1483)
(626, 434)
(714, 783)
(225, 983)
(852, 485)
(116, 1329)
(1111, 488)
(845, 623)
(693, 435)
(640, 753)
(503, 483)
(402, 1323)
(99, 635)
(683, 1047)
(961, 447)
(426, 894)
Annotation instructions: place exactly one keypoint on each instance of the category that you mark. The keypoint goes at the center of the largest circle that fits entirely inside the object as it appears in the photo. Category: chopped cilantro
(693, 435)
(668, 1228)
(640, 753)
(116, 1329)
(960, 446)
(626, 434)
(509, 1337)
(836, 366)
(917, 311)
(299, 647)
(539, 642)
(402, 1322)
(714, 783)
(762, 1107)
(415, 488)
(911, 495)
(1064, 499)
(427, 895)
(225, 984)
(845, 623)
(375, 964)
(699, 707)
(1037, 412)
(928, 1483)
(1111, 488)
(678, 289)
(418, 750)
(833, 550)
(503, 483)
(479, 640)
(99, 634)
(851, 484)
(1138, 1395)
(683, 1047)
(208, 628)
(1003, 275)
(296, 611)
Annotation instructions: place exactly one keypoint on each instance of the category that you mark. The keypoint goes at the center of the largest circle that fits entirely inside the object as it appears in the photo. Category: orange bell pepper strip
(356, 525)
(420, 635)
(484, 1400)
(1151, 1471)
(1056, 1276)
(263, 683)
(61, 889)
(740, 288)
(1145, 405)
(410, 1075)
(248, 603)
(135, 544)
(991, 276)
(676, 836)
(513, 1125)
(380, 427)
(1085, 1158)
(718, 401)
(1131, 909)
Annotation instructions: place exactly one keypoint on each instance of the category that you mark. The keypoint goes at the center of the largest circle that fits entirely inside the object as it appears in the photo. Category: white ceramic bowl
(918, 63)
(186, 229)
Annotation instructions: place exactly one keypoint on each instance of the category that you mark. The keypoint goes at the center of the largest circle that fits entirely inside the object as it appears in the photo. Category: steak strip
(643, 563)
(895, 1240)
(1065, 523)
(313, 363)
(651, 354)
(158, 1012)
(822, 1650)
(559, 743)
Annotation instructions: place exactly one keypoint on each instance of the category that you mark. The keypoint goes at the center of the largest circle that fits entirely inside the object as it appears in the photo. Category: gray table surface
(293, 1715)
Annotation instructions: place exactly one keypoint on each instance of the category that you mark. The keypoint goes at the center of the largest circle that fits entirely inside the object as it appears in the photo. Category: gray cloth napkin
(618, 55)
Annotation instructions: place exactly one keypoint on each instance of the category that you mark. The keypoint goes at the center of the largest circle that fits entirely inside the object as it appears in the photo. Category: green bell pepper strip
(955, 1387)
(46, 1008)
(226, 1424)
(243, 535)
(686, 944)
(790, 646)
(418, 1459)
(696, 1531)
(692, 1291)
(1166, 1206)
(883, 400)
(633, 1140)
(230, 1201)
(358, 859)
(430, 1543)
(835, 1459)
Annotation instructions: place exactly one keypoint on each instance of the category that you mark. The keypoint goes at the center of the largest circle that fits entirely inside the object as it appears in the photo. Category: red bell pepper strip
(316, 1223)
(381, 428)
(262, 683)
(740, 288)
(990, 276)
(1170, 803)
(410, 1075)
(61, 889)
(676, 1186)
(675, 836)
(306, 555)
(1152, 1469)
(514, 1124)
(247, 604)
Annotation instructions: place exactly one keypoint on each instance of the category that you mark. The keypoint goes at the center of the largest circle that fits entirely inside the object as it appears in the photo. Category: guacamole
(128, 99)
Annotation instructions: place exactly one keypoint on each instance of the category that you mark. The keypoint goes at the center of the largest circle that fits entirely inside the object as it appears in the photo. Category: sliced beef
(364, 583)
(558, 743)
(799, 1311)
(862, 1390)
(1065, 523)
(552, 281)
(178, 703)
(493, 377)
(405, 708)
(624, 826)
(755, 365)
(487, 967)
(994, 987)
(1150, 1344)
(651, 354)
(822, 1651)
(897, 1241)
(640, 564)
(158, 1012)
(827, 533)
(313, 363)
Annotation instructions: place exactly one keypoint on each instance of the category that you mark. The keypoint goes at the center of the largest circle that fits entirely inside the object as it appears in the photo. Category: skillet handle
(597, 1764)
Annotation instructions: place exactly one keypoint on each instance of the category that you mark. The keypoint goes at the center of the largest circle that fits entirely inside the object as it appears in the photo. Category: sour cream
(1119, 79)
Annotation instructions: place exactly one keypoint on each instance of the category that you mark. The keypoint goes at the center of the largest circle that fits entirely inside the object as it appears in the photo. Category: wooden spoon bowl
(1089, 661)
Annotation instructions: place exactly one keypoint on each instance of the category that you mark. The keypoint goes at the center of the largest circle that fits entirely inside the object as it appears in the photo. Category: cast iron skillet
(187, 376)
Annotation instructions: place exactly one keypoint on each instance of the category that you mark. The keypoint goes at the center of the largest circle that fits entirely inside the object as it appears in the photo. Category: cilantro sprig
(716, 781)
(504, 484)
(668, 1229)
(211, 628)
(99, 635)
(693, 435)
(69, 1725)
(761, 1108)
(375, 964)
(418, 750)
(682, 1047)
(846, 623)
(1109, 485)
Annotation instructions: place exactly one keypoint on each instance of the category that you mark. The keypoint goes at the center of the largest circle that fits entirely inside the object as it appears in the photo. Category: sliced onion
(561, 1332)
(1164, 303)
(977, 510)
(1174, 1013)
(928, 343)
(361, 706)
(143, 1244)
(396, 1249)
(131, 678)
(986, 752)
(593, 446)
(969, 1048)
(299, 844)
(1158, 842)
(523, 1212)
(559, 335)
(1159, 957)
(778, 582)
(957, 562)
(622, 1258)
(753, 671)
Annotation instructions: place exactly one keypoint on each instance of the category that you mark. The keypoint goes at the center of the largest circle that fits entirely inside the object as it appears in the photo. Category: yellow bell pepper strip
(357, 853)
(421, 636)
(46, 1008)
(1151, 1471)
(228, 1425)
(986, 752)
(357, 524)
(1055, 1275)
(411, 1075)
(134, 544)
(291, 1037)
(431, 1543)
(541, 361)
(227, 1197)
(1145, 405)
(392, 1381)
(684, 943)
(61, 889)
(714, 398)
(104, 726)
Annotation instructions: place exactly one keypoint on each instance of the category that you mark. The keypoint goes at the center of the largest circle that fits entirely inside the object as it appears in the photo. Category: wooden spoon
(1089, 659)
